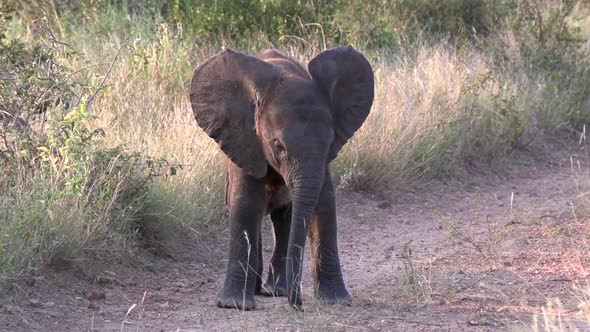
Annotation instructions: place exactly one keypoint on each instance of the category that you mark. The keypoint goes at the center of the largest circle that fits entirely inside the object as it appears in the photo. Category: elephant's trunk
(304, 195)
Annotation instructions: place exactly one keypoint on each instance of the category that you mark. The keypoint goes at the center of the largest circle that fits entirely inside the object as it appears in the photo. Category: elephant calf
(279, 126)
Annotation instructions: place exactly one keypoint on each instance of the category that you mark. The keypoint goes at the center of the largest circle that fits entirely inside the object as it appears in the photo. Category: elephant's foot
(273, 290)
(295, 300)
(235, 299)
(274, 286)
(330, 294)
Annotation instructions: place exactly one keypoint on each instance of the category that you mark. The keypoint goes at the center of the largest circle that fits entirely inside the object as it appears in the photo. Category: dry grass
(145, 108)
(439, 111)
(553, 317)
(572, 313)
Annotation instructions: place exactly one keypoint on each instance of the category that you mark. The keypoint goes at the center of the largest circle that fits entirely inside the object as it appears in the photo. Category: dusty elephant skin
(279, 127)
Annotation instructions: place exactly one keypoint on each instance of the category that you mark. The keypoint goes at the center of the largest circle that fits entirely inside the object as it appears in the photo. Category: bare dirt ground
(485, 255)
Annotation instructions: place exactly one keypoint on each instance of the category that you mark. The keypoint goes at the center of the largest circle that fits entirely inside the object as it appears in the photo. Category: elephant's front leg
(276, 283)
(325, 263)
(246, 201)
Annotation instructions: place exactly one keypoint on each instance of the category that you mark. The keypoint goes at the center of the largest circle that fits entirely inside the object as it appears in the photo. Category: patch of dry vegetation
(441, 108)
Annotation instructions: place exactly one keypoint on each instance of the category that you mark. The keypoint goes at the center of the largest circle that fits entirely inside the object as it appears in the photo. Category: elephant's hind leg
(276, 283)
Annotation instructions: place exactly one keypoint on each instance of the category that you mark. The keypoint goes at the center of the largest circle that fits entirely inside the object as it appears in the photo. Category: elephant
(279, 126)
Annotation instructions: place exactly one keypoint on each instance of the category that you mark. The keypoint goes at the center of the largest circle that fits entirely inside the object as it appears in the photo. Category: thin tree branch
(89, 101)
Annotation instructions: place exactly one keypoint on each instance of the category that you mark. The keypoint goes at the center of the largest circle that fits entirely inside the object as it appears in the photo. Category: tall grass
(64, 194)
(440, 109)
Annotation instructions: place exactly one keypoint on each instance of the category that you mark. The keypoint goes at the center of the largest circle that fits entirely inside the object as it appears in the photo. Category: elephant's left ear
(346, 77)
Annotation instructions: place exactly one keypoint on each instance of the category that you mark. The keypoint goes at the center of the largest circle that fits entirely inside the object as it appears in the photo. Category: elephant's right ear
(225, 90)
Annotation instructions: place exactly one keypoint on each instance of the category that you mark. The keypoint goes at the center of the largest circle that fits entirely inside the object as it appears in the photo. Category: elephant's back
(288, 66)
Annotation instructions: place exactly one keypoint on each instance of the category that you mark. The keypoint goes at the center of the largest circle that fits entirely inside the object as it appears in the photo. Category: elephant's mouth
(279, 194)
(279, 197)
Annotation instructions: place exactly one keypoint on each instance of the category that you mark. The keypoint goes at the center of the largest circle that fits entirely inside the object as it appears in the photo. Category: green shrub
(550, 46)
(62, 191)
(317, 23)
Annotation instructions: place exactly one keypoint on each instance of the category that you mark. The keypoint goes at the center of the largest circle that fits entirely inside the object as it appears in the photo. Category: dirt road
(480, 256)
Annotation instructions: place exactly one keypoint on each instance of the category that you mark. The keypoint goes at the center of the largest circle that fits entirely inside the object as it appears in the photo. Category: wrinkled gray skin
(280, 126)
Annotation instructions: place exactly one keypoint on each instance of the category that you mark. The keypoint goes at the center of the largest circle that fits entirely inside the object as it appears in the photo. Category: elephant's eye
(278, 146)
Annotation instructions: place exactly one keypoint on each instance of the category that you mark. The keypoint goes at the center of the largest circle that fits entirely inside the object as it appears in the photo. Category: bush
(443, 109)
(62, 191)
(317, 23)
(551, 46)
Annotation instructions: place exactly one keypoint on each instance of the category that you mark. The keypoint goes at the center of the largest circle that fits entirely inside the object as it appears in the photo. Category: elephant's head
(264, 117)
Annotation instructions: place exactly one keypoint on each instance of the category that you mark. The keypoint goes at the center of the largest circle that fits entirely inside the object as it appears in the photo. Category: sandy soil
(458, 256)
